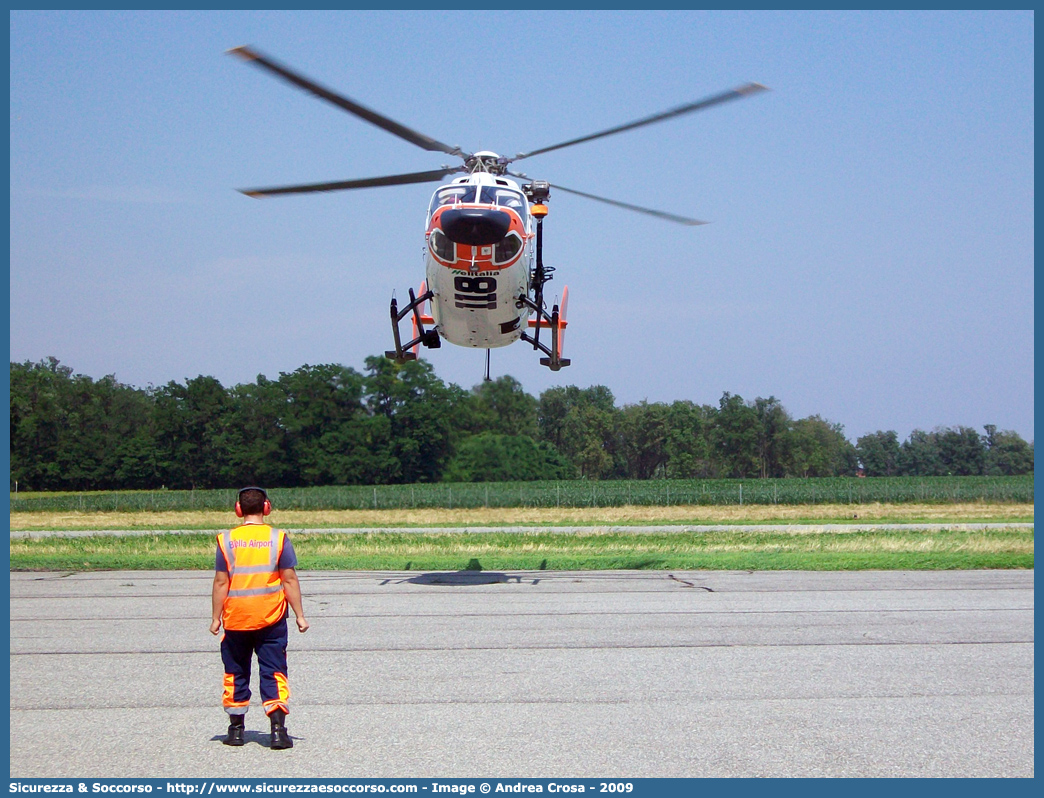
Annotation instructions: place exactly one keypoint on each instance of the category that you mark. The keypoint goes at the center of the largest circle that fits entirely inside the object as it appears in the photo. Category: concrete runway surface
(539, 674)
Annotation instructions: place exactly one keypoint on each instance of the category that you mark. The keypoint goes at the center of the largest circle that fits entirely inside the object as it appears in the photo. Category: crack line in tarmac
(551, 614)
(551, 701)
(444, 589)
(453, 616)
(607, 647)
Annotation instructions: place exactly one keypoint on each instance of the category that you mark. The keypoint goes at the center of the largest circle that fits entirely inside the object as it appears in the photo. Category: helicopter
(485, 275)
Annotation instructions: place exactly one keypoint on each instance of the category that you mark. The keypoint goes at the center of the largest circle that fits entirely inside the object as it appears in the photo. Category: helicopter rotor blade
(670, 217)
(425, 142)
(366, 182)
(716, 99)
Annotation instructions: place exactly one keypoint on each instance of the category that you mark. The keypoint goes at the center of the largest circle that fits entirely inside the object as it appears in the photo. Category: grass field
(965, 512)
(886, 550)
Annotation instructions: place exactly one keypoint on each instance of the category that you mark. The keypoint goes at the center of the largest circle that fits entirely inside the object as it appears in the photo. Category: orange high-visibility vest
(255, 591)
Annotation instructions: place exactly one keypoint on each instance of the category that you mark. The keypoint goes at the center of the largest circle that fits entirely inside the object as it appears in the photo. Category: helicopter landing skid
(429, 338)
(554, 359)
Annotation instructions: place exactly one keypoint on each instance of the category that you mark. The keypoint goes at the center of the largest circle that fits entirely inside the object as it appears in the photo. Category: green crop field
(576, 493)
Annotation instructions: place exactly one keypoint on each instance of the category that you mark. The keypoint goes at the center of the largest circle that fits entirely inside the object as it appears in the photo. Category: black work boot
(280, 738)
(236, 727)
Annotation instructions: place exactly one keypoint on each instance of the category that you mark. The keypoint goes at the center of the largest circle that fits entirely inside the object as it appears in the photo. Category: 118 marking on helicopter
(485, 273)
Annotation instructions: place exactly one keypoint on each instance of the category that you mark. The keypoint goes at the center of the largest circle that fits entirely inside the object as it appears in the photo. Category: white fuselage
(477, 287)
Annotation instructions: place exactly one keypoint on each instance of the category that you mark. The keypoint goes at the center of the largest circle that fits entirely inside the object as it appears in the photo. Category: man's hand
(292, 590)
(218, 596)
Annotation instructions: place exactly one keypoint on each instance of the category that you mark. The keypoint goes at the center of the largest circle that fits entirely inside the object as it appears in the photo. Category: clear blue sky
(870, 256)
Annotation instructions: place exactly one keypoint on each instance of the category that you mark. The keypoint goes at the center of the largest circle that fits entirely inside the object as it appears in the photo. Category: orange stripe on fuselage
(483, 256)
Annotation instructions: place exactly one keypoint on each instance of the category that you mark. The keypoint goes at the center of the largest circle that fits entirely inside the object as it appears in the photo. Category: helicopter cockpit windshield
(451, 195)
(506, 198)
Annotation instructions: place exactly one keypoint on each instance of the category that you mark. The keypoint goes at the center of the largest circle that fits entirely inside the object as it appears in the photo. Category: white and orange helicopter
(485, 274)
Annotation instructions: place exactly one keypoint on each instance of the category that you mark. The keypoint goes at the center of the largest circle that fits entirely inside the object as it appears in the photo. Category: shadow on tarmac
(472, 574)
(264, 739)
(463, 578)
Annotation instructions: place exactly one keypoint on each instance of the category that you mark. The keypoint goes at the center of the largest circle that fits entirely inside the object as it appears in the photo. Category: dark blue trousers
(237, 650)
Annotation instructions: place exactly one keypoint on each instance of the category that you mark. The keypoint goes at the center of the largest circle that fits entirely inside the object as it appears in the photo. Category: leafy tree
(322, 404)
(491, 457)
(328, 424)
(919, 455)
(257, 436)
(689, 453)
(961, 450)
(38, 421)
(580, 423)
(137, 465)
(192, 450)
(121, 435)
(502, 406)
(943, 451)
(879, 453)
(820, 449)
(642, 432)
(589, 441)
(420, 410)
(555, 405)
(735, 437)
(1007, 454)
(775, 426)
(70, 432)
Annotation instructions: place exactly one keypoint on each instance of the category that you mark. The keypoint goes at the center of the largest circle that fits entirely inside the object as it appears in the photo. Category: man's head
(253, 501)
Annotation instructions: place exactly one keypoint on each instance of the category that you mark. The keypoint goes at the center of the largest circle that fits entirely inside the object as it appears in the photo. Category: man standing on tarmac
(254, 580)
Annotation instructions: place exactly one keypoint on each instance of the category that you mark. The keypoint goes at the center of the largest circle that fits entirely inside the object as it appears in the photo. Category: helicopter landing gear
(538, 192)
(429, 338)
(557, 324)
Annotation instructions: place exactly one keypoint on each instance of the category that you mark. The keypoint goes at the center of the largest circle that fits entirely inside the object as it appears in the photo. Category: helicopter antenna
(487, 379)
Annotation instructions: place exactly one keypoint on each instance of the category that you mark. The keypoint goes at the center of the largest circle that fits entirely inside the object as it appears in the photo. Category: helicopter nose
(475, 226)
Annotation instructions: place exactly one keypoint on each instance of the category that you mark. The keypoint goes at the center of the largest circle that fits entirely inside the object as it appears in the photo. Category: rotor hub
(486, 161)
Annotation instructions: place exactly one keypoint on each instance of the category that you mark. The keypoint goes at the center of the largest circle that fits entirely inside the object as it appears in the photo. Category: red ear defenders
(267, 510)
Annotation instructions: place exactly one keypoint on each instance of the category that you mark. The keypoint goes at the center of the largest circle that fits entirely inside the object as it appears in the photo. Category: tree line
(332, 425)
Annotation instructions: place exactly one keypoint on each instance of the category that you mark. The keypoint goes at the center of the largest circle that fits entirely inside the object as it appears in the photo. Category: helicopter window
(504, 198)
(442, 246)
(450, 195)
(507, 249)
(457, 194)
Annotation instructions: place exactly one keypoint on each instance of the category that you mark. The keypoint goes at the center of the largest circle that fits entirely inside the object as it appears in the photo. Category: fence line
(576, 493)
